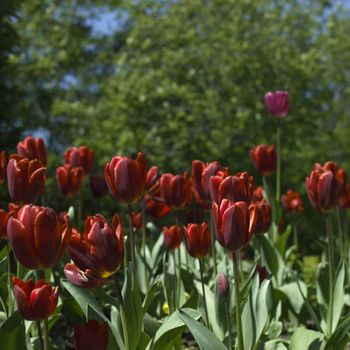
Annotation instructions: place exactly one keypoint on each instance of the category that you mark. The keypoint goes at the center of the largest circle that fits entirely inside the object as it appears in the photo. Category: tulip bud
(80, 157)
(37, 237)
(35, 302)
(277, 103)
(223, 286)
(3, 166)
(69, 179)
(258, 194)
(137, 220)
(152, 180)
(263, 217)
(197, 239)
(91, 336)
(33, 148)
(176, 190)
(126, 178)
(25, 179)
(98, 186)
(292, 202)
(4, 217)
(172, 236)
(100, 249)
(264, 159)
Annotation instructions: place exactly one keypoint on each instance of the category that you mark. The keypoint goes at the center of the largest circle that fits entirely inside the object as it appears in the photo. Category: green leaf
(205, 339)
(171, 328)
(292, 293)
(338, 295)
(282, 240)
(151, 293)
(341, 336)
(305, 339)
(12, 333)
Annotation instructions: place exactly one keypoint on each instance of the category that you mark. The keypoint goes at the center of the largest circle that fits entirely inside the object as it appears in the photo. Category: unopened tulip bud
(223, 286)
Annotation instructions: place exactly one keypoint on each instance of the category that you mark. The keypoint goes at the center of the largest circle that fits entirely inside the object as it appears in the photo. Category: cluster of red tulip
(39, 237)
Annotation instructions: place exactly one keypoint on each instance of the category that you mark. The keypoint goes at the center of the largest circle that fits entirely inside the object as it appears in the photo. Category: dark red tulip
(33, 148)
(4, 217)
(25, 179)
(201, 173)
(91, 336)
(339, 173)
(197, 239)
(263, 217)
(235, 223)
(258, 194)
(322, 189)
(236, 188)
(3, 166)
(277, 103)
(223, 286)
(69, 179)
(172, 236)
(155, 208)
(152, 180)
(126, 178)
(262, 271)
(35, 302)
(264, 159)
(82, 279)
(98, 186)
(292, 202)
(37, 236)
(136, 220)
(176, 190)
(100, 249)
(80, 157)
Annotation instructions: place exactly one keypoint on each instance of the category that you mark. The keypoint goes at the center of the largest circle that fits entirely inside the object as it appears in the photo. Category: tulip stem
(179, 275)
(40, 335)
(176, 282)
(9, 281)
(46, 334)
(143, 214)
(203, 291)
(122, 315)
(228, 322)
(132, 241)
(213, 249)
(238, 300)
(331, 273)
(278, 174)
(341, 235)
(295, 237)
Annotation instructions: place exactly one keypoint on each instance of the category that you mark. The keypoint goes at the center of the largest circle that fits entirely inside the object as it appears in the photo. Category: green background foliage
(179, 80)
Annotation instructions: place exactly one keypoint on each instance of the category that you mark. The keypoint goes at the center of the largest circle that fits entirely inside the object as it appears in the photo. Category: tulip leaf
(171, 328)
(12, 333)
(151, 293)
(275, 344)
(293, 294)
(282, 240)
(340, 337)
(133, 308)
(204, 338)
(338, 295)
(307, 339)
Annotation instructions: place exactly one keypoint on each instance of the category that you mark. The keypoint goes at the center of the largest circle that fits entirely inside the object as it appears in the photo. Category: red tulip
(201, 174)
(322, 189)
(263, 217)
(35, 302)
(83, 279)
(98, 186)
(33, 148)
(91, 336)
(155, 208)
(258, 194)
(237, 188)
(137, 220)
(80, 157)
(292, 202)
(223, 286)
(4, 217)
(69, 179)
(126, 178)
(152, 180)
(25, 179)
(172, 236)
(100, 249)
(339, 173)
(277, 103)
(3, 166)
(37, 236)
(176, 190)
(264, 159)
(235, 223)
(197, 239)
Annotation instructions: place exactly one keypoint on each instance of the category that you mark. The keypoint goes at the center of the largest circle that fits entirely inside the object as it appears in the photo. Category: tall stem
(278, 174)
(143, 213)
(341, 234)
(132, 241)
(228, 322)
(9, 289)
(295, 237)
(122, 315)
(40, 335)
(331, 273)
(179, 276)
(238, 301)
(203, 291)
(176, 282)
(40, 274)
(213, 249)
